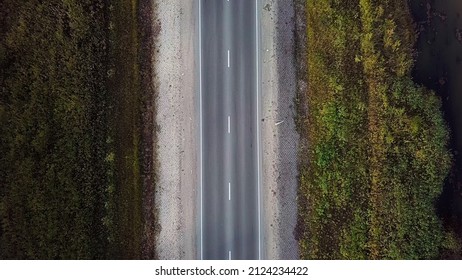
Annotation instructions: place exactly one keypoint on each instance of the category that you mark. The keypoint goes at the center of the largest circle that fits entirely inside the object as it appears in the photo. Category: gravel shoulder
(176, 145)
(279, 136)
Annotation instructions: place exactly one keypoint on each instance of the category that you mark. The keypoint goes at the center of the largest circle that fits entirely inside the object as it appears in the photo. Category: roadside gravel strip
(177, 127)
(279, 136)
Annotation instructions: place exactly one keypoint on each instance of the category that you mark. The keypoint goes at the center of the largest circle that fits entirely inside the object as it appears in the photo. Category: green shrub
(377, 154)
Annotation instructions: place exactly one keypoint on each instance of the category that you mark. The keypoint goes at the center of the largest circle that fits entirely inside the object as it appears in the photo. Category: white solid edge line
(200, 109)
(258, 129)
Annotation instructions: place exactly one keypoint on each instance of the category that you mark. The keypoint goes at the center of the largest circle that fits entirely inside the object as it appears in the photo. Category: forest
(73, 93)
(377, 154)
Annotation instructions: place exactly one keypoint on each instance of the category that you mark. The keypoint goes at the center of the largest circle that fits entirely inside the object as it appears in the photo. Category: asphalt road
(229, 94)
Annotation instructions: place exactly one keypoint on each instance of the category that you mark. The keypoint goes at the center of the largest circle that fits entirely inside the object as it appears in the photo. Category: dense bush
(70, 183)
(377, 142)
(53, 129)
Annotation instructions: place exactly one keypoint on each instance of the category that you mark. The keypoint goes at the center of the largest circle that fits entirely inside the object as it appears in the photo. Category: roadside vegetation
(73, 97)
(377, 154)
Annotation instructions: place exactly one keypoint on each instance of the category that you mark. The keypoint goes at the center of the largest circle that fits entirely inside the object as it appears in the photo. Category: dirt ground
(279, 136)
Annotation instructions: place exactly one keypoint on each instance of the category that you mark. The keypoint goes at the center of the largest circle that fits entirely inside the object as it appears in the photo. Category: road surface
(229, 136)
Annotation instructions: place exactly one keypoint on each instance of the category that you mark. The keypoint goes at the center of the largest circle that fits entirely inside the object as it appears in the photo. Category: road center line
(229, 255)
(229, 191)
(229, 124)
(228, 58)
